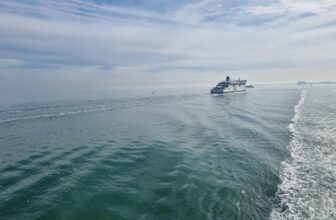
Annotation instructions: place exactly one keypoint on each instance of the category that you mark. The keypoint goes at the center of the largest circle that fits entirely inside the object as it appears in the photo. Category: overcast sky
(109, 43)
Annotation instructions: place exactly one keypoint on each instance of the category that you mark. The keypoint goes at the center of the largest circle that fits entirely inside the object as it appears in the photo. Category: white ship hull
(234, 88)
(229, 86)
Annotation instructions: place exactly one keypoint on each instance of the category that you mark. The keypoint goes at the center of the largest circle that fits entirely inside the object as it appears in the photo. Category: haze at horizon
(49, 46)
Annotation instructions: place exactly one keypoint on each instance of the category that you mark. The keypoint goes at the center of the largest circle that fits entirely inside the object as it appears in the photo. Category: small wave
(57, 114)
(35, 113)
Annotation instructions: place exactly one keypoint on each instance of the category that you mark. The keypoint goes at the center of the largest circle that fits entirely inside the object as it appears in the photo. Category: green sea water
(179, 156)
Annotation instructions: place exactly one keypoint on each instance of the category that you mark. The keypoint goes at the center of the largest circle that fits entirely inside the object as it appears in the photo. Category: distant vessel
(229, 86)
(301, 83)
(250, 86)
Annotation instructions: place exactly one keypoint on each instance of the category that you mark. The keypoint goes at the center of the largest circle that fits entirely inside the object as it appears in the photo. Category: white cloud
(295, 7)
(5, 62)
(108, 50)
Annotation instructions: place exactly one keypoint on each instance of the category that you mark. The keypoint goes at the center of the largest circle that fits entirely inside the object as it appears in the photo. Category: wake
(308, 177)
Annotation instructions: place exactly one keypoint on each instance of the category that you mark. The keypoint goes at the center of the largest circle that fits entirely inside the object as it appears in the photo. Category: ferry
(229, 86)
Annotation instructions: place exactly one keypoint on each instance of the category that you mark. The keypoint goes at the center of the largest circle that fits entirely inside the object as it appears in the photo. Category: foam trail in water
(308, 178)
(129, 103)
(297, 112)
(57, 114)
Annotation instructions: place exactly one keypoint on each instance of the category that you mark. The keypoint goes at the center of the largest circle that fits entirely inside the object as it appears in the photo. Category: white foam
(308, 177)
(127, 104)
(62, 114)
(297, 112)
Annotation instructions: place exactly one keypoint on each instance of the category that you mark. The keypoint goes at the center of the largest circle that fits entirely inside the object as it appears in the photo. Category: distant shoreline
(304, 83)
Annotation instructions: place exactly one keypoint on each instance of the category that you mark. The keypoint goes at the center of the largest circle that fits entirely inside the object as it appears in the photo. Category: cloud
(83, 43)
(294, 7)
(10, 62)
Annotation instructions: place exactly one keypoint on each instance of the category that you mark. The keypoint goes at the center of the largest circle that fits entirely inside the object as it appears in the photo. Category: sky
(88, 44)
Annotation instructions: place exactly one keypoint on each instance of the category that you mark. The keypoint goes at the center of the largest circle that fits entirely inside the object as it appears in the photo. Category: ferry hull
(229, 89)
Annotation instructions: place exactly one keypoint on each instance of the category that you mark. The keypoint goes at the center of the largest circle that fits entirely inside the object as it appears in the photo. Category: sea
(269, 153)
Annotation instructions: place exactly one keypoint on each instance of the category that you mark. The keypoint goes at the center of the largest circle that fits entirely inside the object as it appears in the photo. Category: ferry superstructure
(229, 86)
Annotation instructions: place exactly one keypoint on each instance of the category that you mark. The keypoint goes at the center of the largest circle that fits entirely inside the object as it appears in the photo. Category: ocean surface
(269, 153)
